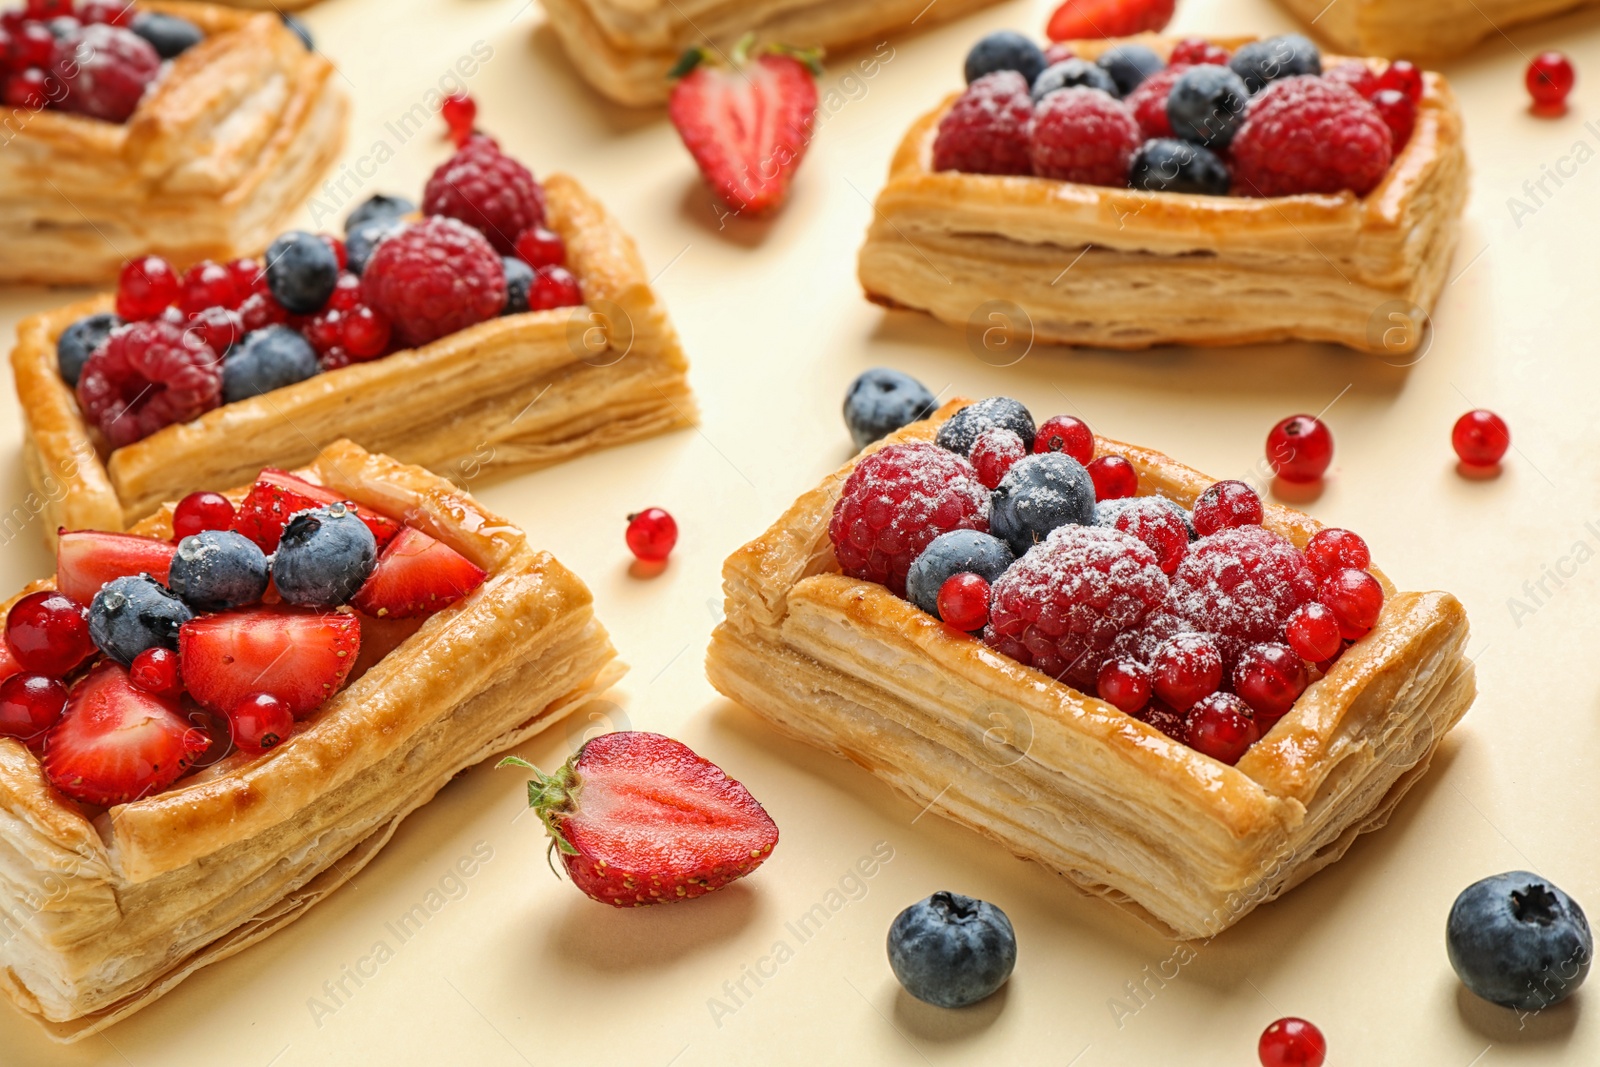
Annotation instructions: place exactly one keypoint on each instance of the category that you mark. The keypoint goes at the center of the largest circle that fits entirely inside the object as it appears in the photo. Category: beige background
(515, 967)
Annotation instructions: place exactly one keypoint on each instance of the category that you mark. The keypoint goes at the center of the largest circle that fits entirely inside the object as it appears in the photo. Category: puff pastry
(1059, 777)
(1421, 29)
(125, 904)
(230, 140)
(1124, 268)
(514, 393)
(625, 48)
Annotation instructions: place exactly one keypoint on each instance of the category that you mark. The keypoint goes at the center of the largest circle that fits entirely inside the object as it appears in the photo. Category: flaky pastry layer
(1422, 29)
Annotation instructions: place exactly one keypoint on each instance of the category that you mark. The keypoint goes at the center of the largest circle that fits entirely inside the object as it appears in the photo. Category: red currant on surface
(260, 722)
(1186, 668)
(1355, 598)
(554, 287)
(1480, 438)
(1549, 79)
(110, 12)
(1404, 76)
(964, 601)
(201, 511)
(1292, 1043)
(26, 88)
(1226, 505)
(219, 327)
(33, 46)
(365, 332)
(1113, 477)
(1221, 726)
(208, 285)
(1399, 113)
(155, 670)
(994, 453)
(1300, 448)
(1066, 434)
(48, 633)
(651, 534)
(248, 276)
(1333, 550)
(44, 10)
(146, 287)
(1313, 632)
(346, 293)
(336, 244)
(459, 112)
(29, 705)
(1124, 684)
(540, 247)
(1270, 678)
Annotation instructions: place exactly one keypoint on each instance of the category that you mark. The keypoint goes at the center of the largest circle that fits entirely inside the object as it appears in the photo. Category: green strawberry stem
(743, 52)
(551, 796)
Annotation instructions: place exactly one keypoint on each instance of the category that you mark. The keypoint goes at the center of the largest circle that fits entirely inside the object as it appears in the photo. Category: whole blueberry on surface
(301, 271)
(519, 279)
(298, 28)
(324, 556)
(377, 206)
(1518, 941)
(364, 238)
(1040, 493)
(1168, 165)
(131, 614)
(1260, 63)
(1070, 73)
(169, 35)
(881, 401)
(1129, 65)
(214, 570)
(267, 359)
(1207, 105)
(952, 951)
(962, 429)
(79, 340)
(1106, 512)
(1004, 50)
(951, 553)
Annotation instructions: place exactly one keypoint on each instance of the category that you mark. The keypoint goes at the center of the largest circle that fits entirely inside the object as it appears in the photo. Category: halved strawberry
(298, 655)
(1093, 19)
(417, 575)
(277, 495)
(88, 559)
(640, 819)
(116, 743)
(748, 126)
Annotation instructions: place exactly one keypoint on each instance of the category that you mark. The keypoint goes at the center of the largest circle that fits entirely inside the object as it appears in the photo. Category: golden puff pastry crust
(1421, 29)
(514, 393)
(227, 143)
(1073, 264)
(625, 48)
(1054, 775)
(124, 904)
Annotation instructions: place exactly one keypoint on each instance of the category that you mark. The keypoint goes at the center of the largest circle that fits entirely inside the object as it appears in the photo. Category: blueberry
(965, 426)
(1130, 64)
(1518, 941)
(169, 35)
(1004, 50)
(1069, 73)
(79, 340)
(951, 553)
(1166, 165)
(1260, 63)
(951, 950)
(267, 359)
(1038, 494)
(301, 271)
(880, 401)
(1107, 511)
(378, 206)
(519, 279)
(361, 242)
(324, 556)
(298, 28)
(1207, 105)
(129, 615)
(214, 570)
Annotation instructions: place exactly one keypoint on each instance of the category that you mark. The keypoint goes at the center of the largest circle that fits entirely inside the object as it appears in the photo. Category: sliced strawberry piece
(640, 819)
(298, 655)
(747, 127)
(1093, 19)
(277, 495)
(88, 559)
(379, 637)
(116, 743)
(417, 575)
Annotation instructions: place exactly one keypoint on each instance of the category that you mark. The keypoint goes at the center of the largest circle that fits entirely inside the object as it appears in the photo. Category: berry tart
(1422, 29)
(1150, 191)
(508, 325)
(212, 721)
(1175, 696)
(178, 129)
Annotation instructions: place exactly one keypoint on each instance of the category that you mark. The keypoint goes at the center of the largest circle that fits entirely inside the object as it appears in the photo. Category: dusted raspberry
(1310, 135)
(994, 453)
(1159, 527)
(1083, 135)
(1149, 101)
(1193, 50)
(433, 278)
(146, 376)
(1241, 584)
(106, 70)
(1060, 607)
(895, 502)
(986, 131)
(488, 190)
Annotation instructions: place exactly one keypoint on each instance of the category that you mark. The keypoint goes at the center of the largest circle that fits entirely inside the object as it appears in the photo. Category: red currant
(1270, 678)
(459, 111)
(109, 12)
(365, 332)
(1404, 76)
(340, 254)
(219, 327)
(651, 534)
(540, 247)
(248, 276)
(1333, 550)
(1185, 668)
(155, 670)
(207, 285)
(48, 633)
(1355, 598)
(1313, 632)
(964, 601)
(1226, 505)
(27, 88)
(346, 293)
(45, 10)
(324, 330)
(33, 46)
(1221, 726)
(1300, 448)
(1162, 531)
(1550, 77)
(145, 288)
(29, 705)
(1113, 477)
(1480, 438)
(554, 287)
(1399, 113)
(260, 722)
(1124, 684)
(993, 454)
(1292, 1043)
(201, 511)
(260, 310)
(1066, 434)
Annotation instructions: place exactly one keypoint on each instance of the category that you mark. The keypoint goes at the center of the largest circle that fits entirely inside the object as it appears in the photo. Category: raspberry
(1310, 135)
(1159, 527)
(433, 278)
(487, 190)
(1081, 135)
(146, 376)
(1060, 607)
(106, 70)
(1241, 584)
(1149, 101)
(1194, 50)
(986, 131)
(895, 502)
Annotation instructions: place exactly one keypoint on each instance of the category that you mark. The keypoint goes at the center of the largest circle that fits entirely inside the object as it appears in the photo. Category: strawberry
(416, 575)
(749, 125)
(278, 494)
(1089, 19)
(298, 655)
(116, 743)
(640, 819)
(88, 559)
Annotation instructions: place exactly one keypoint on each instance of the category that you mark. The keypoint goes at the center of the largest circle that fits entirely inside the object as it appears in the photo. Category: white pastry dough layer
(1421, 29)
